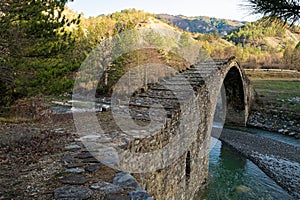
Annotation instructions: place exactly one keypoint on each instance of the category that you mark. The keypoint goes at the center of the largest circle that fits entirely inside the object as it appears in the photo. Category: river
(234, 177)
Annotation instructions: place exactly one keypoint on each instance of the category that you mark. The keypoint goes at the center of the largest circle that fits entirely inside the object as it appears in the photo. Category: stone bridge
(172, 162)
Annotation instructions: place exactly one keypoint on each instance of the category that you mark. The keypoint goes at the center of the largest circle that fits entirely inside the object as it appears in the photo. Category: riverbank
(283, 122)
(278, 160)
(277, 102)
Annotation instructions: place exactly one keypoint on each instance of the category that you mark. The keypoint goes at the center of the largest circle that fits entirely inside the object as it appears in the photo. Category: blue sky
(229, 9)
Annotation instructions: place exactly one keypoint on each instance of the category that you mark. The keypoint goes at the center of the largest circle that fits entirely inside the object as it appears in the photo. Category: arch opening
(188, 168)
(235, 98)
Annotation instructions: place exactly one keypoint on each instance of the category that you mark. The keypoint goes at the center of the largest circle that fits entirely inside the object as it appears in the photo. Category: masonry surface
(181, 147)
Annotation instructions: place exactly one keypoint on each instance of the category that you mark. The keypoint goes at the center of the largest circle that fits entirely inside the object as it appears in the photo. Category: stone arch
(236, 99)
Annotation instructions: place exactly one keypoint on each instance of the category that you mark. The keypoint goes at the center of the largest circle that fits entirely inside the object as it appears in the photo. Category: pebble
(72, 193)
(140, 195)
(75, 170)
(74, 179)
(59, 130)
(116, 197)
(280, 130)
(242, 189)
(125, 180)
(84, 154)
(125, 140)
(72, 147)
(292, 134)
(69, 157)
(75, 165)
(77, 140)
(92, 168)
(106, 187)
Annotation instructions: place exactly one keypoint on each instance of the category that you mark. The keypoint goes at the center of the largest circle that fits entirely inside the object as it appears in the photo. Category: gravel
(277, 159)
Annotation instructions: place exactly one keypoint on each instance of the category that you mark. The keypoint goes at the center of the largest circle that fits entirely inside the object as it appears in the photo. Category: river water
(234, 177)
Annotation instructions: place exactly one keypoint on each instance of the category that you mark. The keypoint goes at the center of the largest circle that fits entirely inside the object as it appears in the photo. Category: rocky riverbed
(278, 160)
(287, 123)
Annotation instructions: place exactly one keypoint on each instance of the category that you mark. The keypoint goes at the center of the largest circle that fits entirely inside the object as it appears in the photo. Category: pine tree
(286, 10)
(30, 29)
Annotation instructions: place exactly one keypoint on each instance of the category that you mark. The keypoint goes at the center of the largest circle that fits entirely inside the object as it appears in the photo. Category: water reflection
(234, 177)
(231, 160)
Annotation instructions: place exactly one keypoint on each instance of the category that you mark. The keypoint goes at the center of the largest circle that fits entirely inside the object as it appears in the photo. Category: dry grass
(276, 89)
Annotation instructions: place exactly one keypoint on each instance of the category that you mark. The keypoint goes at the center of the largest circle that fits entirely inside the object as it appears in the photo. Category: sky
(227, 9)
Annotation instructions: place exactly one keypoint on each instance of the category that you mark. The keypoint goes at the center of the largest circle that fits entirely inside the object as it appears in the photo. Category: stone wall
(188, 173)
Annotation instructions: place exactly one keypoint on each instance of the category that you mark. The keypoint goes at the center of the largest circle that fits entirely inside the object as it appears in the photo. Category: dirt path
(30, 157)
(47, 160)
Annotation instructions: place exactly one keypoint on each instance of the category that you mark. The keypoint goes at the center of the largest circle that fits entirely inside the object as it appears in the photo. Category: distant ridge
(202, 24)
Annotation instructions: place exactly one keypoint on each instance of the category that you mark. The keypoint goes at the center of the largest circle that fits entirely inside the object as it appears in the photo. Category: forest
(40, 55)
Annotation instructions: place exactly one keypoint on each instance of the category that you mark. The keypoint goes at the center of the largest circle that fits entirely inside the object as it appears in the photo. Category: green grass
(269, 75)
(276, 93)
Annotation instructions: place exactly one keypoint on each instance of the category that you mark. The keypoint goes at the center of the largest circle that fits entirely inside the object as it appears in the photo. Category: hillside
(265, 35)
(254, 44)
(271, 45)
(202, 24)
(54, 75)
(257, 44)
